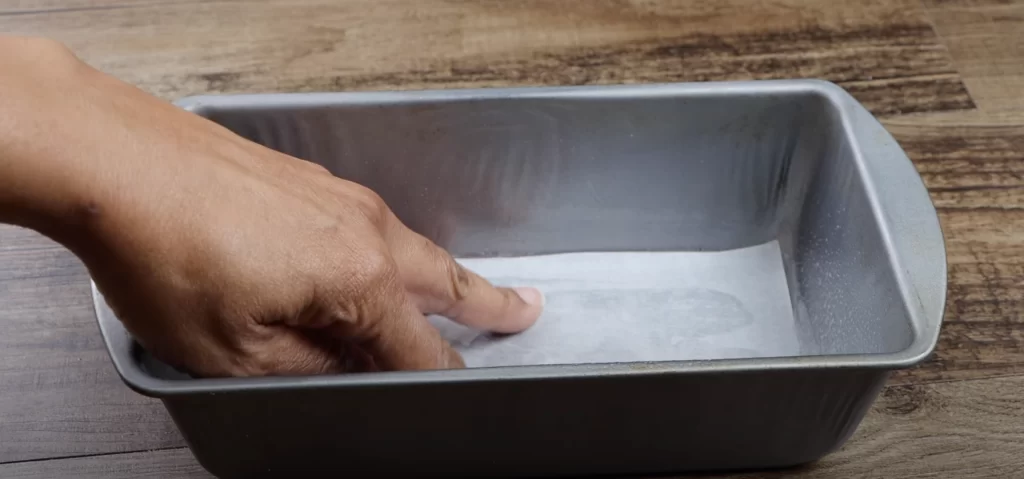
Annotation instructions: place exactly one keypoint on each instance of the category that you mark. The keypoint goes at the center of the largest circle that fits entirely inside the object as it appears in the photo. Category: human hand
(220, 256)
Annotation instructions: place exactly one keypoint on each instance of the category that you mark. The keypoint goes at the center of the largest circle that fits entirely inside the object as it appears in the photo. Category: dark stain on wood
(218, 81)
(969, 3)
(911, 94)
(892, 69)
(956, 160)
(903, 400)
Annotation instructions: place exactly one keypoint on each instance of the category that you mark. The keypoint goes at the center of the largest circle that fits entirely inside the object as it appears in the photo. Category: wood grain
(986, 39)
(59, 394)
(885, 52)
(973, 164)
(164, 464)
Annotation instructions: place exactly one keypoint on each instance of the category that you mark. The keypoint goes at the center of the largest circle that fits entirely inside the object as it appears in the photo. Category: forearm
(50, 180)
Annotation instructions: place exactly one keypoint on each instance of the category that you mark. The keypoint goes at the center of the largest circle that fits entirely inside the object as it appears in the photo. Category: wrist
(49, 179)
(36, 193)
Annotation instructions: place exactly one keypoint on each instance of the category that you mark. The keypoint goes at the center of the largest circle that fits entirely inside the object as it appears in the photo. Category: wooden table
(946, 77)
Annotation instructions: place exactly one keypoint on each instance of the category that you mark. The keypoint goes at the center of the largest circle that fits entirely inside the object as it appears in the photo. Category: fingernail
(531, 296)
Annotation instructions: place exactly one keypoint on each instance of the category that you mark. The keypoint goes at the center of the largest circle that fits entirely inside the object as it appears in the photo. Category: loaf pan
(732, 269)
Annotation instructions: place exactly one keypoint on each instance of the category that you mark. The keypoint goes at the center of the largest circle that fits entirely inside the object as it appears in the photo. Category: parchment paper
(644, 306)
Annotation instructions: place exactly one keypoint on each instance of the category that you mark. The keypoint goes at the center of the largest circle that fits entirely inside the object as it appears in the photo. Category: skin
(220, 256)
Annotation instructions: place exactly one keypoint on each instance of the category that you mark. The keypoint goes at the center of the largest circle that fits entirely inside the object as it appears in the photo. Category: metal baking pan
(732, 271)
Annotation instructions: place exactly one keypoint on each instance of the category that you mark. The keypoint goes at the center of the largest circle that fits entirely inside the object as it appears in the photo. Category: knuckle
(459, 279)
(312, 167)
(302, 361)
(365, 293)
(278, 356)
(508, 299)
(250, 359)
(374, 270)
(321, 169)
(369, 203)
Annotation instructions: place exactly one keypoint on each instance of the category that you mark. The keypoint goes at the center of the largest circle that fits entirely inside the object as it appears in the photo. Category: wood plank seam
(84, 456)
